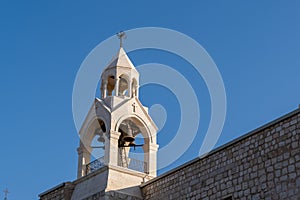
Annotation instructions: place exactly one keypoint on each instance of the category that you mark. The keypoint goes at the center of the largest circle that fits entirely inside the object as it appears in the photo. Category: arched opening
(130, 145)
(94, 143)
(123, 86)
(111, 82)
(108, 86)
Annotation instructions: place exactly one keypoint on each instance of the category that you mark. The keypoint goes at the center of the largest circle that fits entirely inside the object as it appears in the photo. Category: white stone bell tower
(115, 120)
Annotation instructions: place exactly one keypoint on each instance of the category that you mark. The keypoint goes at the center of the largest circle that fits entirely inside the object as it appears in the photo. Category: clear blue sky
(255, 44)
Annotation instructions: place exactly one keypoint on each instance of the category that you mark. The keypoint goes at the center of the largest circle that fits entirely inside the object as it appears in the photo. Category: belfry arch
(96, 127)
(138, 121)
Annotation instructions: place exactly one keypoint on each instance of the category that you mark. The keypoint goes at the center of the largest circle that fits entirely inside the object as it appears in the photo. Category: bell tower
(115, 121)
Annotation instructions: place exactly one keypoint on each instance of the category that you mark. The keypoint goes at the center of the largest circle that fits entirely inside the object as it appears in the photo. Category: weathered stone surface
(61, 192)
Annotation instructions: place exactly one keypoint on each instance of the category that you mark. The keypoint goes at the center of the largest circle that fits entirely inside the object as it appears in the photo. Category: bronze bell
(127, 135)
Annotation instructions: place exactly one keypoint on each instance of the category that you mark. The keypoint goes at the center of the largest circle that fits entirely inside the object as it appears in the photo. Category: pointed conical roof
(120, 60)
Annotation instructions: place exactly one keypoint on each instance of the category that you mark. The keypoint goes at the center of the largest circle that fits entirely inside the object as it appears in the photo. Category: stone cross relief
(134, 107)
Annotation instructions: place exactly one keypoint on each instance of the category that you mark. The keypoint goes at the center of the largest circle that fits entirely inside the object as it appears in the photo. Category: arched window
(131, 153)
(96, 144)
(123, 86)
(111, 82)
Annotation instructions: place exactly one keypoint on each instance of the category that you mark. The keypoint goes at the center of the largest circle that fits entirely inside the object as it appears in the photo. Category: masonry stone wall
(61, 192)
(119, 196)
(264, 164)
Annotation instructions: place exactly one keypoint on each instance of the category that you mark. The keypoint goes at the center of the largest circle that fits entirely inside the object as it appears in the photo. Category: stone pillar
(137, 91)
(104, 89)
(150, 156)
(111, 148)
(84, 156)
(130, 89)
(117, 87)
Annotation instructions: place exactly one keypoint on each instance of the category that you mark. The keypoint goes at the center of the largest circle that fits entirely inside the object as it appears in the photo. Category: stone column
(130, 89)
(150, 156)
(137, 91)
(84, 157)
(104, 89)
(117, 87)
(111, 148)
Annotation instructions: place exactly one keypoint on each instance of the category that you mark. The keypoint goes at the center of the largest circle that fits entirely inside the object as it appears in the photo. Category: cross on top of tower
(121, 35)
(5, 193)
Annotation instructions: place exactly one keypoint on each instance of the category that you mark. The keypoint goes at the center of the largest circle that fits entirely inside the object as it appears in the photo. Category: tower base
(110, 182)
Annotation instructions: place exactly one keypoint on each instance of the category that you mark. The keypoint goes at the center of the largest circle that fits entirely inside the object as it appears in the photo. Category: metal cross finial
(121, 35)
(6, 193)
